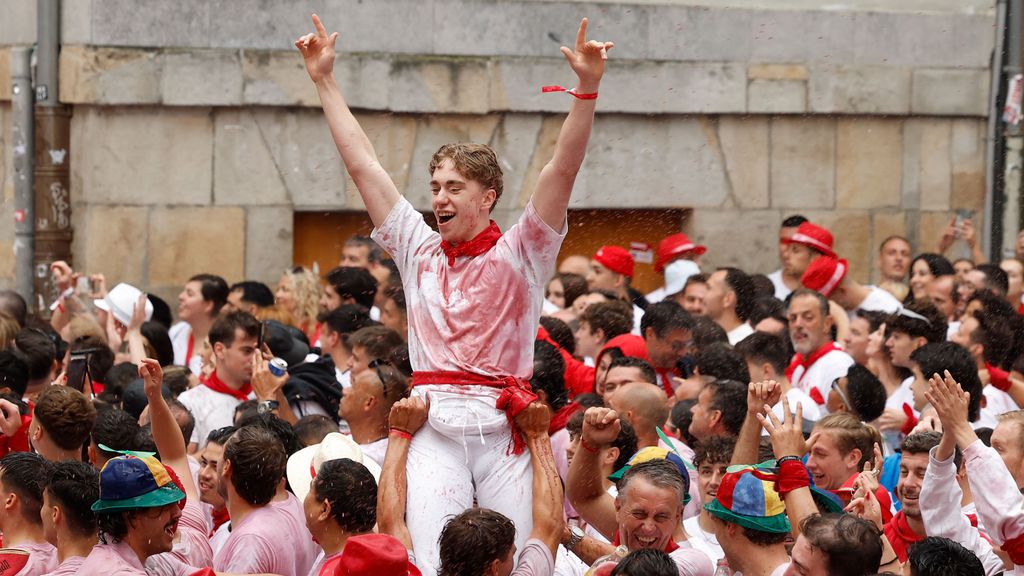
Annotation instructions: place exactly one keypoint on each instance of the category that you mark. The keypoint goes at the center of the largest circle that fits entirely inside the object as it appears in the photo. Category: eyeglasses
(376, 364)
(842, 395)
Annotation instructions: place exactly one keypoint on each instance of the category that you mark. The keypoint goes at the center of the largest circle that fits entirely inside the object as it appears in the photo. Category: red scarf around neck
(799, 360)
(480, 243)
(901, 535)
(214, 383)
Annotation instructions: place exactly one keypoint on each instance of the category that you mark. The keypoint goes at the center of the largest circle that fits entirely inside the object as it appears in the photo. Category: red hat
(672, 246)
(629, 344)
(617, 259)
(824, 274)
(813, 236)
(377, 554)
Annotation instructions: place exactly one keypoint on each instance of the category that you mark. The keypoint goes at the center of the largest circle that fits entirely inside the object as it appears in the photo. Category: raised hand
(588, 59)
(787, 436)
(949, 401)
(152, 375)
(63, 275)
(763, 393)
(600, 426)
(409, 414)
(534, 420)
(264, 383)
(138, 314)
(318, 51)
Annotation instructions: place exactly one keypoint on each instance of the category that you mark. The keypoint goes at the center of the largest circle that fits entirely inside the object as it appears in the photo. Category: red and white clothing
(210, 408)
(815, 374)
(42, 558)
(739, 333)
(478, 315)
(942, 494)
(187, 352)
(781, 290)
(1000, 503)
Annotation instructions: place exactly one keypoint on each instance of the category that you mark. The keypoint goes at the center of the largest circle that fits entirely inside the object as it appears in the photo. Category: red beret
(824, 274)
(615, 258)
(672, 246)
(813, 236)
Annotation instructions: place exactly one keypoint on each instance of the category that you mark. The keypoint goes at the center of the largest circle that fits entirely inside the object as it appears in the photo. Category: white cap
(305, 463)
(677, 273)
(121, 301)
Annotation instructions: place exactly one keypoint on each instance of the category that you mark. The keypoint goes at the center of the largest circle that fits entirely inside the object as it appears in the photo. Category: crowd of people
(465, 402)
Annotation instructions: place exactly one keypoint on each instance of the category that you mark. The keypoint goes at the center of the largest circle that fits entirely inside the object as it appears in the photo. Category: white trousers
(461, 456)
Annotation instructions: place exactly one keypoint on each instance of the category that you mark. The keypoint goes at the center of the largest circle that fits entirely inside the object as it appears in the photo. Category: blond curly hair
(306, 291)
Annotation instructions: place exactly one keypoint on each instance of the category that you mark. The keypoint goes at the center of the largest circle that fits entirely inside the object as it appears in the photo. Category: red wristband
(792, 476)
(570, 91)
(588, 448)
(400, 433)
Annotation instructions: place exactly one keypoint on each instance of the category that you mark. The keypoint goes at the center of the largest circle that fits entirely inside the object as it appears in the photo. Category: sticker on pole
(1012, 109)
(19, 216)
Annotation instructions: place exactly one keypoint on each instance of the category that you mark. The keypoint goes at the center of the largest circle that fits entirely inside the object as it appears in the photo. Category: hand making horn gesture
(588, 59)
(318, 51)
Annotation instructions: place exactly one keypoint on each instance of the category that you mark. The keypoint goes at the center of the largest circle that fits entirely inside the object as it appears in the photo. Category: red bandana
(901, 535)
(481, 243)
(798, 360)
(560, 418)
(214, 383)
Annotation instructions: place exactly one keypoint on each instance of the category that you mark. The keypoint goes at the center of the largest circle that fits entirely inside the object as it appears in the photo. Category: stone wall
(196, 133)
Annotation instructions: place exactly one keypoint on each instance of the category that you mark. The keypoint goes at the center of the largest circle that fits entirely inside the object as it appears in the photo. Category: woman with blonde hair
(298, 293)
(8, 330)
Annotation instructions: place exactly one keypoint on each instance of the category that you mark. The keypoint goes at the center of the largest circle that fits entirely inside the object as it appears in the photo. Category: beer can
(278, 367)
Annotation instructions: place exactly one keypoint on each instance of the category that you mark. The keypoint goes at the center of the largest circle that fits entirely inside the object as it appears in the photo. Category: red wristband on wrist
(570, 91)
(588, 448)
(792, 476)
(400, 433)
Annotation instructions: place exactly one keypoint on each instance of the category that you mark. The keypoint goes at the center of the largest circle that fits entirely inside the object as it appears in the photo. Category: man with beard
(818, 360)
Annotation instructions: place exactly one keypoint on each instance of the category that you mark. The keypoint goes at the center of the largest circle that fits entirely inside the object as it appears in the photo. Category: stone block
(18, 25)
(393, 137)
(76, 22)
(859, 89)
(926, 163)
(5, 75)
(305, 155)
(499, 29)
(268, 242)
(948, 92)
(276, 78)
(968, 151)
(852, 230)
(627, 24)
(794, 36)
(201, 78)
(243, 168)
(931, 226)
(515, 84)
(803, 162)
(431, 133)
(699, 33)
(366, 81)
(184, 241)
(747, 239)
(515, 141)
(745, 149)
(374, 27)
(142, 156)
(777, 96)
(671, 163)
(883, 225)
(868, 162)
(101, 75)
(922, 39)
(153, 23)
(111, 240)
(541, 154)
(439, 86)
(777, 72)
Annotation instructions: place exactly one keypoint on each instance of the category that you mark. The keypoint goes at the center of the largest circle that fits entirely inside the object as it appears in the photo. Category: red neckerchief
(219, 518)
(559, 419)
(669, 548)
(214, 383)
(191, 346)
(480, 243)
(997, 377)
(798, 360)
(901, 535)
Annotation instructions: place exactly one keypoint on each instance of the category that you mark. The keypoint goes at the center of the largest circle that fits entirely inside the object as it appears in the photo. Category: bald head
(643, 404)
(575, 264)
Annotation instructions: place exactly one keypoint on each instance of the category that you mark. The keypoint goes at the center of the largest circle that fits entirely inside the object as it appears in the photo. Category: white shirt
(706, 542)
(902, 395)
(781, 290)
(375, 450)
(878, 300)
(997, 402)
(656, 296)
(810, 409)
(180, 335)
(638, 314)
(739, 333)
(822, 373)
(211, 410)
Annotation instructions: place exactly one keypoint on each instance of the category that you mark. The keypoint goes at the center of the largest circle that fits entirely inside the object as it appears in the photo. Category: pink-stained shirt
(116, 559)
(480, 315)
(999, 501)
(42, 558)
(191, 549)
(534, 560)
(942, 515)
(69, 567)
(270, 539)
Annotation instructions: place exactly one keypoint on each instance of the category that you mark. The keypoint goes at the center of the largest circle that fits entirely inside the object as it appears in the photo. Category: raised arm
(407, 416)
(166, 433)
(375, 185)
(748, 443)
(554, 186)
(548, 516)
(583, 486)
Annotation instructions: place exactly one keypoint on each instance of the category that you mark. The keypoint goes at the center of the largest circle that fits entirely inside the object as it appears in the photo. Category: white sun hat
(304, 464)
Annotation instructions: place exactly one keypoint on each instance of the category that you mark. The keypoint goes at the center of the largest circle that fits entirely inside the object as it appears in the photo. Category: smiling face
(920, 276)
(154, 528)
(709, 478)
(647, 515)
(461, 206)
(829, 467)
(191, 305)
(208, 460)
(912, 469)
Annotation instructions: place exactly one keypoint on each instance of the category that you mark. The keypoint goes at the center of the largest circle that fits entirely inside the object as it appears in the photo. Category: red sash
(798, 360)
(480, 243)
(214, 383)
(515, 396)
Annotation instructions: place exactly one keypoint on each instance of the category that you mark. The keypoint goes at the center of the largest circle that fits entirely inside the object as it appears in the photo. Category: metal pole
(992, 236)
(53, 139)
(22, 131)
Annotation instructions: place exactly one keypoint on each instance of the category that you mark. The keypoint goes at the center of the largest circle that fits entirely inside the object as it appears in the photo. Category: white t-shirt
(902, 395)
(211, 410)
(706, 542)
(997, 402)
(375, 450)
(810, 409)
(781, 290)
(878, 300)
(739, 333)
(822, 373)
(638, 315)
(180, 335)
(491, 336)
